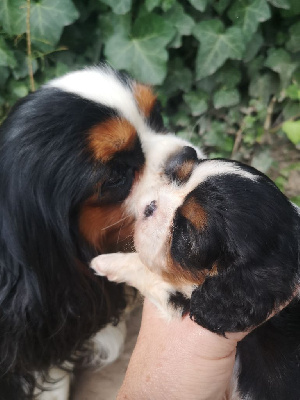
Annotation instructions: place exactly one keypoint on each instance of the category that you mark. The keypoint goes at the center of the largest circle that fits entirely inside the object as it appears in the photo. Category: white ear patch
(101, 85)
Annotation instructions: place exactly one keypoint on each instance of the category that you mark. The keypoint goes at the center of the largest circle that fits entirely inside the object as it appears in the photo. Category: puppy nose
(149, 210)
(180, 165)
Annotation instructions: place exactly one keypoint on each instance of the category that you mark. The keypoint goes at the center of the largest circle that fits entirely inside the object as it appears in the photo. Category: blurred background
(227, 72)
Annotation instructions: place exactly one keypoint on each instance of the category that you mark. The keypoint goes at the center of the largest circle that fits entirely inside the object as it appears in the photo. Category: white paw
(106, 265)
(105, 347)
(59, 389)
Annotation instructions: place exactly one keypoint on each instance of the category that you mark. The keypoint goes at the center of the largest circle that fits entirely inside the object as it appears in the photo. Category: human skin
(178, 359)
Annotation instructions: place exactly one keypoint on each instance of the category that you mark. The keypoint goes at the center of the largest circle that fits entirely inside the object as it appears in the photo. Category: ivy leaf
(253, 47)
(4, 74)
(6, 55)
(217, 45)
(221, 5)
(264, 86)
(294, 43)
(181, 21)
(262, 161)
(293, 92)
(17, 89)
(197, 102)
(279, 61)
(285, 4)
(293, 10)
(178, 79)
(167, 4)
(13, 16)
(291, 109)
(214, 137)
(228, 76)
(114, 25)
(151, 4)
(248, 14)
(199, 5)
(292, 131)
(143, 53)
(47, 20)
(21, 69)
(118, 6)
(226, 98)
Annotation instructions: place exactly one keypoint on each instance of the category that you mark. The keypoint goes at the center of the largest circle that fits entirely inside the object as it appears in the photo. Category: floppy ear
(240, 298)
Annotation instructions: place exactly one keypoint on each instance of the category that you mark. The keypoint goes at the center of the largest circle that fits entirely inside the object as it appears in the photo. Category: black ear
(240, 298)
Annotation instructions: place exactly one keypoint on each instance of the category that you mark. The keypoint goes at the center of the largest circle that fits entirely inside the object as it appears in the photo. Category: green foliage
(227, 72)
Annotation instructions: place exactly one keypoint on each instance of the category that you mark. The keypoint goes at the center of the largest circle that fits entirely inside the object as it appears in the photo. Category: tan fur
(184, 172)
(192, 211)
(110, 137)
(106, 227)
(145, 98)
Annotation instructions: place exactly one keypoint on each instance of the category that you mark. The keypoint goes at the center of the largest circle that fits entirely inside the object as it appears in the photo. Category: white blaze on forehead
(210, 168)
(102, 86)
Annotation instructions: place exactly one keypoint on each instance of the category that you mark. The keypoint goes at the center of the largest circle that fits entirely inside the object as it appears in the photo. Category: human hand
(178, 359)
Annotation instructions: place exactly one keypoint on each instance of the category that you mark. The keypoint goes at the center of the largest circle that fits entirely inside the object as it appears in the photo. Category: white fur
(108, 344)
(105, 348)
(58, 390)
(102, 86)
(216, 167)
(127, 267)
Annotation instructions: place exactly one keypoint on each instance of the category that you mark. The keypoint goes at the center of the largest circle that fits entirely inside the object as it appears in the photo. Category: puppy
(219, 241)
(69, 155)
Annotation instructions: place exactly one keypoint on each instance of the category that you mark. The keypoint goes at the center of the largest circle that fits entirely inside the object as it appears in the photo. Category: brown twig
(238, 139)
(277, 127)
(270, 110)
(29, 53)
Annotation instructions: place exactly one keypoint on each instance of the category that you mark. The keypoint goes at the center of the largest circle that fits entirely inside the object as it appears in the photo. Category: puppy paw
(108, 265)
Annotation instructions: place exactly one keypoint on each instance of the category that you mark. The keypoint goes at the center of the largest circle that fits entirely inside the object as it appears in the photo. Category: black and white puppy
(218, 239)
(69, 155)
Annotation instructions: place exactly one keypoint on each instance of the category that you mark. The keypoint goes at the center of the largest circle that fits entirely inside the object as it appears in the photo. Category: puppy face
(185, 205)
(225, 230)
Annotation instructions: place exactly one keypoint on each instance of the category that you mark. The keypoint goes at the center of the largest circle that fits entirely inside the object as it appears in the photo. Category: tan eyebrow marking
(145, 98)
(193, 211)
(110, 137)
(185, 170)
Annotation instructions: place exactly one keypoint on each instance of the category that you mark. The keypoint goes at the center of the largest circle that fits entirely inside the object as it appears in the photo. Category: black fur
(50, 301)
(175, 162)
(252, 235)
(270, 358)
(155, 120)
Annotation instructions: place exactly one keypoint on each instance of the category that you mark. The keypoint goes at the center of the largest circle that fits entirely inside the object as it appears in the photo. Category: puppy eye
(114, 181)
(118, 178)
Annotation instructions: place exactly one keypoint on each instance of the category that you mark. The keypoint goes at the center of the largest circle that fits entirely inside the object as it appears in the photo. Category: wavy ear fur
(257, 258)
(50, 301)
(240, 298)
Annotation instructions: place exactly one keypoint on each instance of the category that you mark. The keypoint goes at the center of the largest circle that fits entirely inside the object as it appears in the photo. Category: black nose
(149, 210)
(180, 165)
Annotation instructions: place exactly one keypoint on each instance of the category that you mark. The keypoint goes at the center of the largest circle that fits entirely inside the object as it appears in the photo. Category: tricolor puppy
(69, 155)
(219, 241)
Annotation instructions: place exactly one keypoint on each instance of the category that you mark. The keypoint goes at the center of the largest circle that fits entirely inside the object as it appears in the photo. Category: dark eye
(115, 180)
(118, 178)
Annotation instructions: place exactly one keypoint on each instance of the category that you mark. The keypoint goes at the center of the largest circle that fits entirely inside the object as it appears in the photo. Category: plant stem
(29, 54)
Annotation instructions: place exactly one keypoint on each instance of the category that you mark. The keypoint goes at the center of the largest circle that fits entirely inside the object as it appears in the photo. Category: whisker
(115, 223)
(130, 235)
